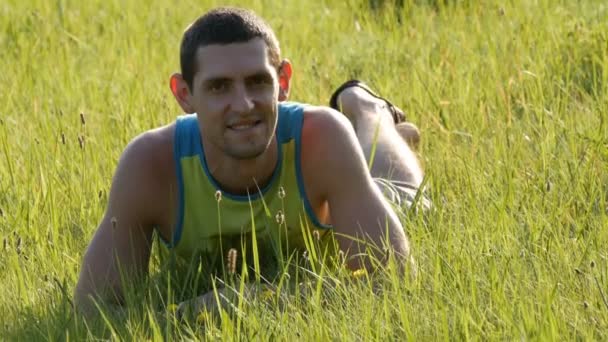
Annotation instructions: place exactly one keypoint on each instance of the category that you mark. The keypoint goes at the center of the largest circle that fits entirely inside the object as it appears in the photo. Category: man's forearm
(373, 247)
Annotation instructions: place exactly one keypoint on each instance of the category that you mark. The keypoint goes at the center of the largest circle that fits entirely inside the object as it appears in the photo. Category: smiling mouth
(243, 126)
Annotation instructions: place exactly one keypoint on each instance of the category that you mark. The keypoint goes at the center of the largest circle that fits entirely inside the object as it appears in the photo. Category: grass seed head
(280, 217)
(232, 255)
(218, 196)
(82, 121)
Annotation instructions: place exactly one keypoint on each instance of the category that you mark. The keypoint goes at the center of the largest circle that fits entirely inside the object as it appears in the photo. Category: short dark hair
(224, 25)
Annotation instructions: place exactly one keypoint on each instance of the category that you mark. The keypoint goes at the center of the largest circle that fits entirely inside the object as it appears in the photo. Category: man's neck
(242, 176)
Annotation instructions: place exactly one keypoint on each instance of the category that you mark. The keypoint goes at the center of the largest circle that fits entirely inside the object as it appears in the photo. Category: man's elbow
(401, 254)
(88, 300)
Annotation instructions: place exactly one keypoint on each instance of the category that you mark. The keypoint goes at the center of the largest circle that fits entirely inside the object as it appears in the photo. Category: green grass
(512, 101)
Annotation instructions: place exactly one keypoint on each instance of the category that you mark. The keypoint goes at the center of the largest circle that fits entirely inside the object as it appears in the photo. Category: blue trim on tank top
(187, 142)
(297, 133)
(180, 143)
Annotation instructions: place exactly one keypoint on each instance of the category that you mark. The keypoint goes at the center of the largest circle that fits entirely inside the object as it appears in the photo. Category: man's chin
(244, 156)
(247, 154)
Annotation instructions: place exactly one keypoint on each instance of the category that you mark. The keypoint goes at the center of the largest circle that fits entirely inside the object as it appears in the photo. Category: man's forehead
(223, 60)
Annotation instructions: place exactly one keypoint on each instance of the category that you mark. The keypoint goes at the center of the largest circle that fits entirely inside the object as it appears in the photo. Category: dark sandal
(397, 114)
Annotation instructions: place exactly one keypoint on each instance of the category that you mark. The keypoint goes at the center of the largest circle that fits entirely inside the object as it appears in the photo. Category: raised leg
(393, 158)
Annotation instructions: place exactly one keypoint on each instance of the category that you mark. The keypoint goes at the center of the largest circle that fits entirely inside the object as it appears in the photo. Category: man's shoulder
(328, 144)
(324, 124)
(327, 137)
(151, 151)
(144, 178)
(321, 121)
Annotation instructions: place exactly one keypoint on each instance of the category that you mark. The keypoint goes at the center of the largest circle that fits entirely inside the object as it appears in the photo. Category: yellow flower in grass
(359, 273)
(172, 308)
(267, 294)
(202, 317)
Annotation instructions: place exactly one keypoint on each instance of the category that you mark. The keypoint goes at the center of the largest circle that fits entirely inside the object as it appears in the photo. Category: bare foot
(355, 102)
(410, 133)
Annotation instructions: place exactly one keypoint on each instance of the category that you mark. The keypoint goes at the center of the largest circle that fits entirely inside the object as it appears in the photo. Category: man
(249, 166)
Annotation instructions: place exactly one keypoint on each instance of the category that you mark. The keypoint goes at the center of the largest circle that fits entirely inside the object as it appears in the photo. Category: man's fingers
(204, 303)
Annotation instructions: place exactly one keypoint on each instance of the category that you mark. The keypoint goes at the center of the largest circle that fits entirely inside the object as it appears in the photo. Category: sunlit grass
(511, 100)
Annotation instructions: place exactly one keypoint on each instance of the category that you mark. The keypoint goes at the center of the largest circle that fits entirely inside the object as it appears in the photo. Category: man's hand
(212, 302)
(222, 299)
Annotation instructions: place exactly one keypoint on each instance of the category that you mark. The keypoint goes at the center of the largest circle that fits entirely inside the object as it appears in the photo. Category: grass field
(512, 101)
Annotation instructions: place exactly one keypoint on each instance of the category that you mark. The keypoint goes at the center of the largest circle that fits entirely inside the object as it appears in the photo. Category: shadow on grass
(53, 320)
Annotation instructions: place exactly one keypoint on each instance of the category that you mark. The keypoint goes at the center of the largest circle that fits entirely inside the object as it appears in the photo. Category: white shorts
(403, 194)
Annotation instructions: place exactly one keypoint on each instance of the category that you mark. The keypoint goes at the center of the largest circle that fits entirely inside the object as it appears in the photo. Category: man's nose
(243, 101)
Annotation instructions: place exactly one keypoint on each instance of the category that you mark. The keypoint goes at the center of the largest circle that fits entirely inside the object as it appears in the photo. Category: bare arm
(122, 243)
(359, 211)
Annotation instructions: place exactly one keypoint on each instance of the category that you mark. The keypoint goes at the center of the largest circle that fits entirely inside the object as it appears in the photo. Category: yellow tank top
(211, 221)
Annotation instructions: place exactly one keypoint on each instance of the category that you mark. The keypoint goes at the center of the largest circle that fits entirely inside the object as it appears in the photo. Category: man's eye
(216, 87)
(260, 80)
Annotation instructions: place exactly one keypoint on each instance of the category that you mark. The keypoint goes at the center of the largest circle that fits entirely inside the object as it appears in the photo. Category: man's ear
(181, 92)
(285, 72)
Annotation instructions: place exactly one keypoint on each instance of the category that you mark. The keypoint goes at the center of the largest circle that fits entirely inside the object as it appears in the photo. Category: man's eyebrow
(261, 73)
(213, 80)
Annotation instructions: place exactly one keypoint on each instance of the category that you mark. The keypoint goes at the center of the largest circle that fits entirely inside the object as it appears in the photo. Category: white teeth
(242, 127)
(239, 127)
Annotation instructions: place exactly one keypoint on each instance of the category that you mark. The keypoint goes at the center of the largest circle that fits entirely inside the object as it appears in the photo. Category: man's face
(235, 95)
